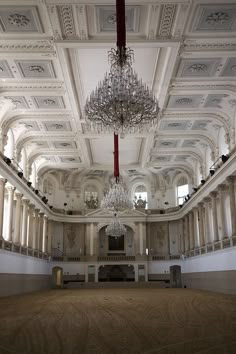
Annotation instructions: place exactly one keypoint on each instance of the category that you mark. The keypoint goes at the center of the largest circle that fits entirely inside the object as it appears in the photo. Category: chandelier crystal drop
(117, 199)
(115, 228)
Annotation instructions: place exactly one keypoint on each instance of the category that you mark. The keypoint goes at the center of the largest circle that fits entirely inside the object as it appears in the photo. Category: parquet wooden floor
(118, 321)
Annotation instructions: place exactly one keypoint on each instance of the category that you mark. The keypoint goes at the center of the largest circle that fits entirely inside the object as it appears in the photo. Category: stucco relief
(73, 239)
(159, 238)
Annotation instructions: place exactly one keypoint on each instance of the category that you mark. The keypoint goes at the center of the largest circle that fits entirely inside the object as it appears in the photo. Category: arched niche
(109, 245)
(57, 277)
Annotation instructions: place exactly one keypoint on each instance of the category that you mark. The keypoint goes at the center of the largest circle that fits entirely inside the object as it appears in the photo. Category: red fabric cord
(116, 156)
(120, 23)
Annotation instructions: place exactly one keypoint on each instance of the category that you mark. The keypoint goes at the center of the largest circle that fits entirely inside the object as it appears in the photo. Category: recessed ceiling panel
(102, 150)
(93, 64)
(36, 69)
(49, 102)
(106, 18)
(19, 19)
(5, 71)
(216, 18)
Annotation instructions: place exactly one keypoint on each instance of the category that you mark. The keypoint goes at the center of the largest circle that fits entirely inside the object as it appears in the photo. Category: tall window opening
(140, 197)
(182, 190)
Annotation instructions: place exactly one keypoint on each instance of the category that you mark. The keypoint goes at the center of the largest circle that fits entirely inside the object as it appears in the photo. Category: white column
(141, 238)
(45, 224)
(214, 216)
(36, 229)
(10, 190)
(201, 225)
(91, 239)
(18, 217)
(30, 226)
(196, 242)
(207, 220)
(221, 189)
(49, 243)
(2, 193)
(191, 230)
(25, 203)
(187, 236)
(231, 180)
(182, 245)
(40, 231)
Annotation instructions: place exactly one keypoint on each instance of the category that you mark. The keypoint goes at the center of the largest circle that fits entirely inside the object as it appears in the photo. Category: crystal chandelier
(121, 101)
(117, 198)
(115, 228)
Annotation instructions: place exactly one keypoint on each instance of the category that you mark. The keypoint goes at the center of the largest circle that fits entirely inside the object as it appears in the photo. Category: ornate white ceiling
(54, 52)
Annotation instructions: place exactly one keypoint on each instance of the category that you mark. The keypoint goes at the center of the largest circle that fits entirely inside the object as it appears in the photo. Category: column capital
(31, 206)
(45, 216)
(230, 179)
(213, 194)
(36, 210)
(3, 180)
(25, 201)
(10, 188)
(207, 200)
(18, 195)
(221, 187)
(200, 204)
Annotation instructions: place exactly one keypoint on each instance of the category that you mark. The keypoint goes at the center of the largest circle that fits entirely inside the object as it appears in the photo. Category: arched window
(91, 197)
(9, 148)
(47, 187)
(140, 197)
(182, 190)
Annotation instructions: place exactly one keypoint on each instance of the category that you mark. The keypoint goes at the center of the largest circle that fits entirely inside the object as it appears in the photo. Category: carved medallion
(18, 20)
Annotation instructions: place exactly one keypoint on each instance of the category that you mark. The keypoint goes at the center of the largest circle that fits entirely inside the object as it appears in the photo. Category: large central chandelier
(115, 228)
(121, 101)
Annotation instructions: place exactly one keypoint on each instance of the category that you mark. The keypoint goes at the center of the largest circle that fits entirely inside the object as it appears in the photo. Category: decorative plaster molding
(168, 13)
(32, 86)
(28, 45)
(66, 13)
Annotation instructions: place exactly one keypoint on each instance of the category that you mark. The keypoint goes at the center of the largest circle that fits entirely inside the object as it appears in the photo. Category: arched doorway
(57, 277)
(115, 272)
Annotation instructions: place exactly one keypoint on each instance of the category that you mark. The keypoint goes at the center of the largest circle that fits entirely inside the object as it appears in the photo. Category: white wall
(19, 264)
(71, 268)
(162, 267)
(211, 262)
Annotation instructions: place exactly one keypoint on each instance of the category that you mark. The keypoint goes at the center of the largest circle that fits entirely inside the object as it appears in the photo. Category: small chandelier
(115, 228)
(117, 198)
(121, 101)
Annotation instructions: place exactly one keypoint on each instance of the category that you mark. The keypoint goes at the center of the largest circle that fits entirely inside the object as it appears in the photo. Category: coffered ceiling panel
(185, 102)
(57, 126)
(200, 67)
(91, 74)
(49, 102)
(229, 68)
(18, 101)
(5, 71)
(106, 18)
(64, 145)
(102, 150)
(36, 69)
(166, 144)
(67, 159)
(19, 19)
(216, 18)
(174, 125)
